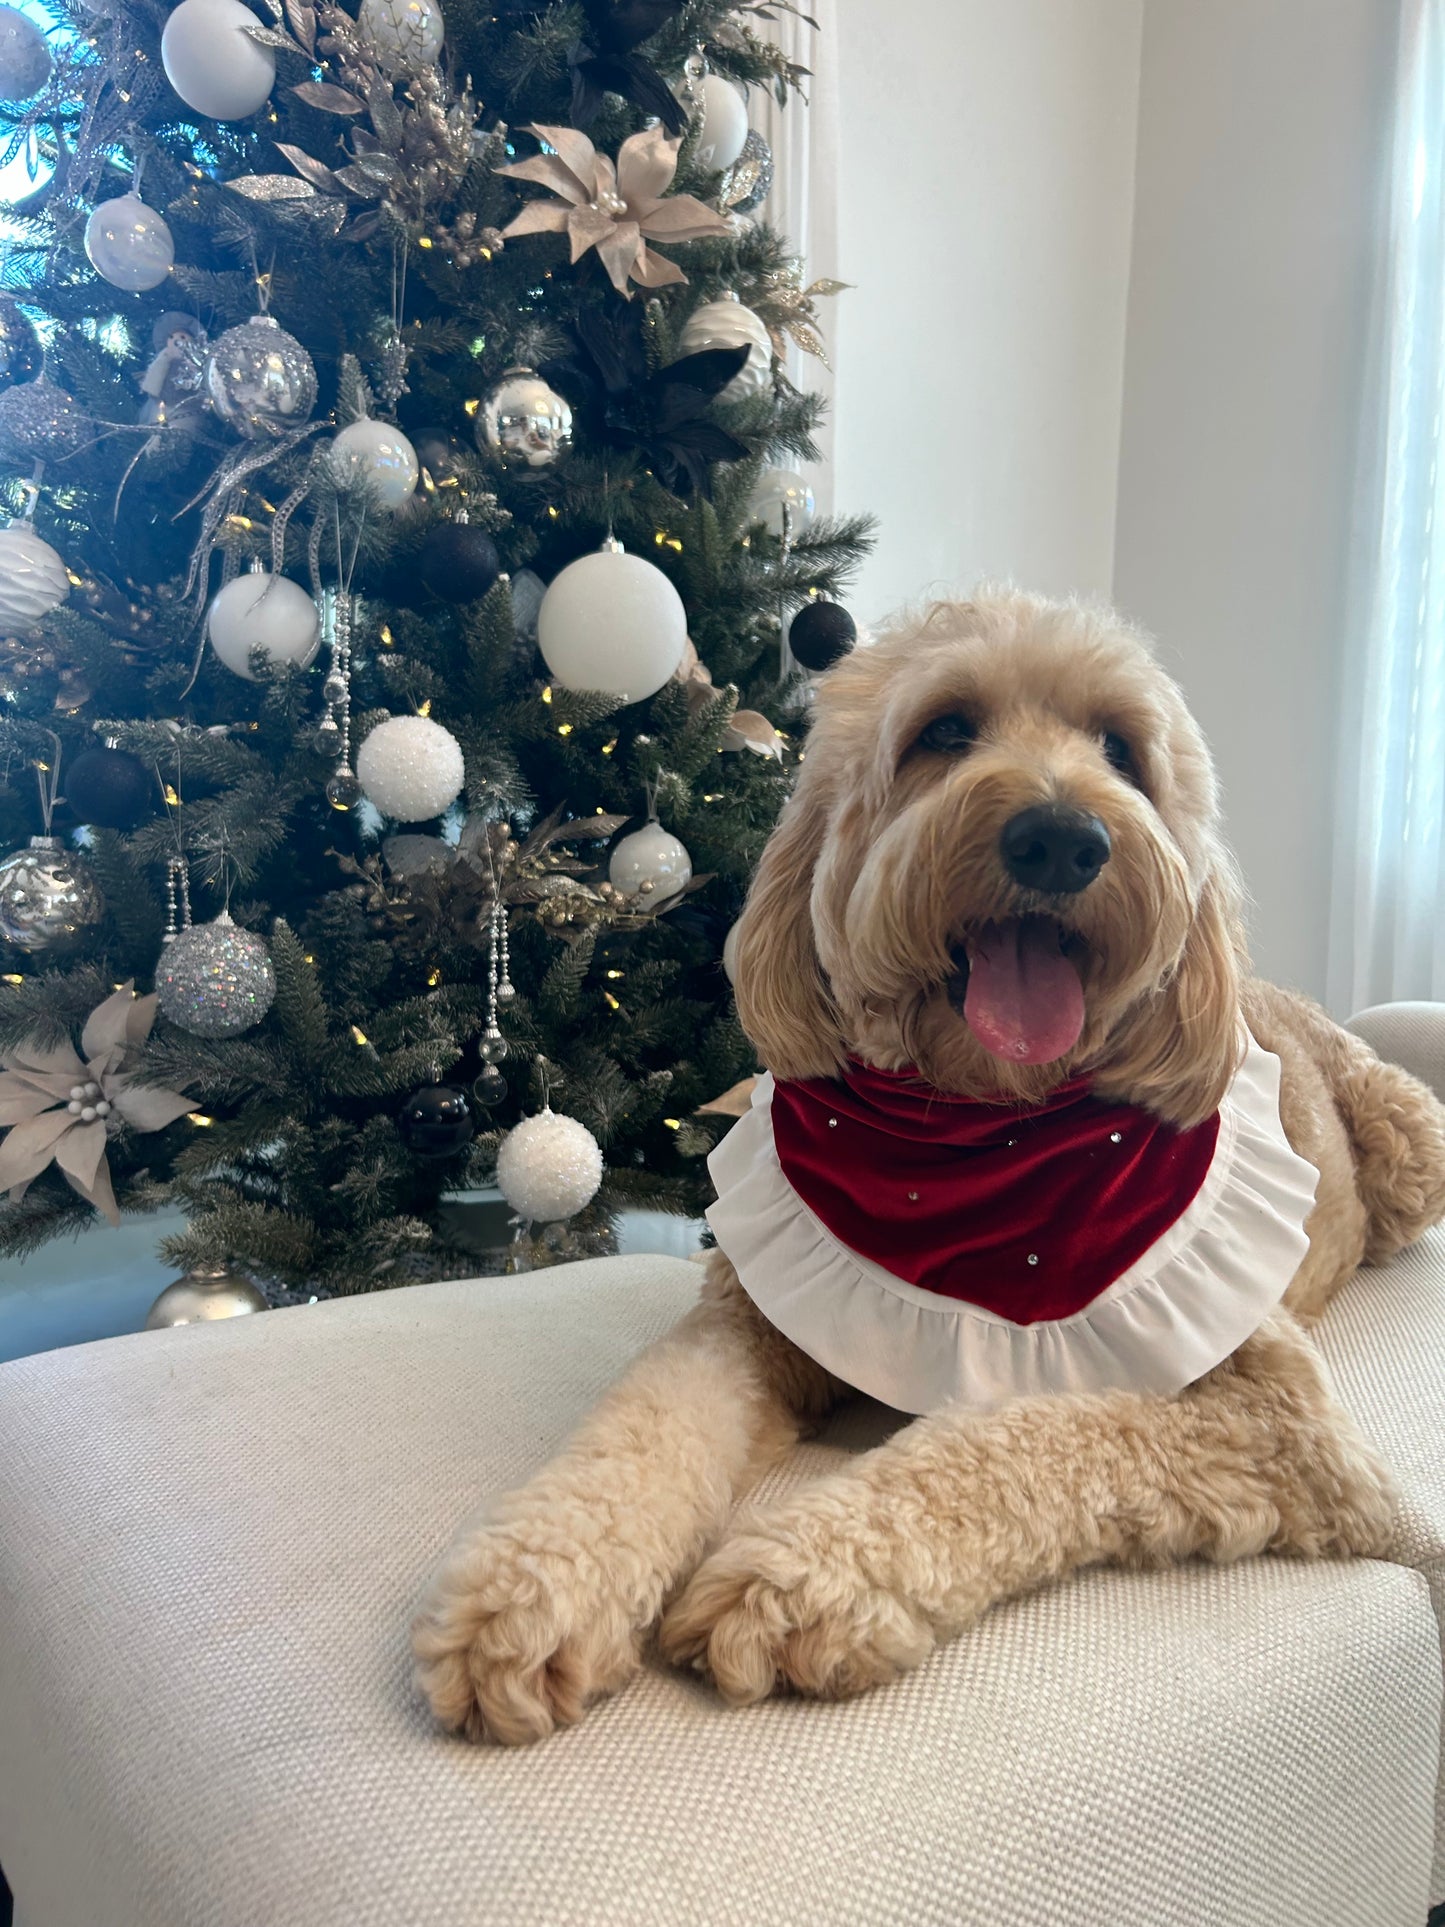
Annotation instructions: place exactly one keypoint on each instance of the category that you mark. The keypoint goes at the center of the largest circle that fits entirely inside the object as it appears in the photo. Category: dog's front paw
(518, 1633)
(779, 1605)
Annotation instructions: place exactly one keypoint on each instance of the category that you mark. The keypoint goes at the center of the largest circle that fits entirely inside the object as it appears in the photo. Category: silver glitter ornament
(259, 379)
(756, 162)
(19, 344)
(47, 895)
(215, 979)
(25, 61)
(524, 421)
(210, 1291)
(41, 420)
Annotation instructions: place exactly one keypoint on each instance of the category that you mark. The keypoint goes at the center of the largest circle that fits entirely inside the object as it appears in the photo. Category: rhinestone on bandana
(1116, 1137)
(1033, 1257)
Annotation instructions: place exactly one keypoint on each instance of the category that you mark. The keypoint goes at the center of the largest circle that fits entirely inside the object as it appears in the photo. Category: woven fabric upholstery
(211, 1540)
(1408, 1034)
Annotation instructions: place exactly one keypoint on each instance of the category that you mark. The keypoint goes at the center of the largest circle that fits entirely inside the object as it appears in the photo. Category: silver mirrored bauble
(215, 979)
(524, 420)
(259, 379)
(403, 35)
(344, 791)
(757, 155)
(39, 419)
(210, 1291)
(47, 895)
(33, 579)
(128, 244)
(25, 61)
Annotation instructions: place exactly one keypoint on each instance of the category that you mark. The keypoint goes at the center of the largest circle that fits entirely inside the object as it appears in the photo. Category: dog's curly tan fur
(885, 861)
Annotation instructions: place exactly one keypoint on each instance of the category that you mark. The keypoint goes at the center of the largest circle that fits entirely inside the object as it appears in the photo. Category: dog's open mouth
(1017, 986)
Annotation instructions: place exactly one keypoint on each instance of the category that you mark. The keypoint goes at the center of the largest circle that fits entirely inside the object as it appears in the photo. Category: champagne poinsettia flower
(616, 210)
(65, 1107)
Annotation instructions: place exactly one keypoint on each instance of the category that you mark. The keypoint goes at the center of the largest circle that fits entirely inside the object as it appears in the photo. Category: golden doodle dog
(1037, 1161)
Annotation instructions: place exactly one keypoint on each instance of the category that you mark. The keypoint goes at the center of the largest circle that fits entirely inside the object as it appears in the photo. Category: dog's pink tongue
(1024, 999)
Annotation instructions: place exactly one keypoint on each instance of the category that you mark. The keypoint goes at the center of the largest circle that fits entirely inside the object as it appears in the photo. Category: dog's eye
(1120, 756)
(952, 735)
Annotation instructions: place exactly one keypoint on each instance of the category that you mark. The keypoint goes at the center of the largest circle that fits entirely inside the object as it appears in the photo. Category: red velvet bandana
(1030, 1214)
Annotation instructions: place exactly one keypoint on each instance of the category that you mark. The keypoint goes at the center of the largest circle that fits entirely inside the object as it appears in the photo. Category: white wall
(985, 200)
(1262, 138)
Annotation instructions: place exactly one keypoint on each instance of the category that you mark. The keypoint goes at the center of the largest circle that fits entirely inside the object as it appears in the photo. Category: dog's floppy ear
(1178, 1051)
(783, 997)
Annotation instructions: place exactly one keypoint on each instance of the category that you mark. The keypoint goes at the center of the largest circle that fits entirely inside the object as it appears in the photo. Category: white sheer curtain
(1388, 924)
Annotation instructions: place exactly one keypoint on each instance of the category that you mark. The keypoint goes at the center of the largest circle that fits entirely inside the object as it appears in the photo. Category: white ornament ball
(722, 123)
(403, 34)
(266, 612)
(549, 1167)
(651, 866)
(730, 955)
(129, 244)
(613, 622)
(783, 501)
(33, 579)
(377, 457)
(728, 324)
(212, 62)
(25, 60)
(411, 768)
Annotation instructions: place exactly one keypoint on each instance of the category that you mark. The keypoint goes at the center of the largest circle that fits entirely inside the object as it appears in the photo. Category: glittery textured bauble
(259, 379)
(411, 768)
(202, 1294)
(47, 895)
(436, 1121)
(110, 788)
(490, 1087)
(39, 419)
(651, 863)
(33, 579)
(212, 61)
(728, 324)
(129, 245)
(782, 501)
(344, 791)
(25, 61)
(549, 1167)
(378, 458)
(266, 613)
(755, 149)
(19, 344)
(404, 35)
(820, 634)
(524, 421)
(458, 561)
(613, 622)
(215, 979)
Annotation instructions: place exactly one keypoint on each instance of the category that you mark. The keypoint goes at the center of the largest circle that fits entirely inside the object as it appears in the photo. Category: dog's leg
(856, 1578)
(544, 1605)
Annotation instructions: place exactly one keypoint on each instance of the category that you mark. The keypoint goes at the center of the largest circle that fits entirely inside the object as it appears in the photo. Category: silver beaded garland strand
(343, 791)
(494, 1045)
(178, 897)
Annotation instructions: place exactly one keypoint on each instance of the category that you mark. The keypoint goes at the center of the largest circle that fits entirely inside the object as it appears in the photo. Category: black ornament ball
(110, 788)
(19, 344)
(436, 1121)
(820, 634)
(459, 562)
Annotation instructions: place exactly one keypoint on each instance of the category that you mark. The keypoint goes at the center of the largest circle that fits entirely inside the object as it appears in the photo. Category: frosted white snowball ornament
(25, 60)
(404, 35)
(650, 867)
(411, 768)
(377, 457)
(548, 1167)
(721, 120)
(213, 63)
(33, 579)
(783, 501)
(128, 244)
(728, 324)
(268, 612)
(612, 621)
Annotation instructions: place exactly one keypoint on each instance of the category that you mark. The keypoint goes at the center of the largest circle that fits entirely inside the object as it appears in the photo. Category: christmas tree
(395, 617)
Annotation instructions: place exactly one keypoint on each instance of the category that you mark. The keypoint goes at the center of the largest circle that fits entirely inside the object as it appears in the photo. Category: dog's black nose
(1054, 849)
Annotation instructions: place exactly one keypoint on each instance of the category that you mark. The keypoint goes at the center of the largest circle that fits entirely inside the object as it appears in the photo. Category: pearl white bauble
(266, 612)
(25, 60)
(213, 63)
(403, 34)
(613, 622)
(722, 123)
(728, 324)
(411, 768)
(778, 489)
(548, 1167)
(129, 244)
(651, 856)
(33, 579)
(377, 457)
(730, 955)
